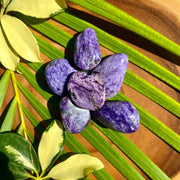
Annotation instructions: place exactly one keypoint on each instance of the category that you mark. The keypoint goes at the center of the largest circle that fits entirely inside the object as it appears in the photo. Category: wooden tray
(164, 17)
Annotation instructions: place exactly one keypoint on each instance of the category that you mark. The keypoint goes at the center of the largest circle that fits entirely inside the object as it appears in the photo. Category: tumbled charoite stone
(113, 70)
(87, 90)
(120, 116)
(57, 74)
(74, 118)
(87, 52)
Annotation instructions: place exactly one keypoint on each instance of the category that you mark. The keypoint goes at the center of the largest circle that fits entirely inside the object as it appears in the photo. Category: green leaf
(20, 130)
(4, 85)
(18, 151)
(33, 80)
(33, 140)
(76, 167)
(44, 113)
(152, 92)
(8, 56)
(20, 38)
(51, 144)
(37, 8)
(49, 50)
(114, 14)
(39, 128)
(110, 154)
(10, 170)
(9, 118)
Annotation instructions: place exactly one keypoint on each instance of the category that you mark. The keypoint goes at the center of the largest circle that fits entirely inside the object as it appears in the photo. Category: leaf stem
(42, 174)
(19, 104)
(45, 177)
(1, 12)
(33, 177)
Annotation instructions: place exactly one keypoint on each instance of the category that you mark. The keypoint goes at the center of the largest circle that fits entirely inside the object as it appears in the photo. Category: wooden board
(164, 17)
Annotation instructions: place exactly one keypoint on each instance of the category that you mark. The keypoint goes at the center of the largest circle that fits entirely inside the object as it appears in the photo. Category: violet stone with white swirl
(113, 70)
(120, 116)
(74, 118)
(87, 54)
(87, 90)
(57, 75)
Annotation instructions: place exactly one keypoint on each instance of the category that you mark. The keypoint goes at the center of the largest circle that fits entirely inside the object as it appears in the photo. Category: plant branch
(19, 104)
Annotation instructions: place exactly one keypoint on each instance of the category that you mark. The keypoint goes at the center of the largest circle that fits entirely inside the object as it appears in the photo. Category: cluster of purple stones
(85, 92)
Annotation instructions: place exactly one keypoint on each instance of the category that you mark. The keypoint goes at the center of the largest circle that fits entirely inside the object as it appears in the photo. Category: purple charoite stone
(113, 70)
(87, 54)
(87, 90)
(57, 74)
(120, 116)
(74, 118)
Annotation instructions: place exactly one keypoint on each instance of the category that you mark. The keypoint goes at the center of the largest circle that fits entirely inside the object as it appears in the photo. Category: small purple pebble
(120, 116)
(113, 70)
(57, 74)
(87, 90)
(74, 118)
(87, 54)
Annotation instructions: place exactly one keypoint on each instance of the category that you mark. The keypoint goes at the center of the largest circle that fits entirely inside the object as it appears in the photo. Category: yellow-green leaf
(5, 3)
(37, 8)
(76, 167)
(20, 38)
(8, 57)
(51, 144)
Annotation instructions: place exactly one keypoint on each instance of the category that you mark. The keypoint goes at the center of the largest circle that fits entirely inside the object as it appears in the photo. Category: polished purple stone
(87, 54)
(87, 90)
(113, 70)
(120, 116)
(74, 118)
(57, 74)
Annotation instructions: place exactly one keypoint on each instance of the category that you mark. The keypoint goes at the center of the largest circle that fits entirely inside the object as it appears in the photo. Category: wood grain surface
(164, 17)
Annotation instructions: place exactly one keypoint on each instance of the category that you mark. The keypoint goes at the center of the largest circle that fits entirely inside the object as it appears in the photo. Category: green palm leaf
(4, 85)
(114, 14)
(114, 148)
(9, 118)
